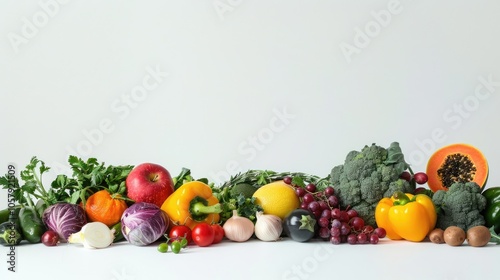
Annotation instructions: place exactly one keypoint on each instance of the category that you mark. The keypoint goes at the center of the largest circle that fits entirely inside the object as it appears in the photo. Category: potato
(454, 236)
(478, 236)
(437, 236)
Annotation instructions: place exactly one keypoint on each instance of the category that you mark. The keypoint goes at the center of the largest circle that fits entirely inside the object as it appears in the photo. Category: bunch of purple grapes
(347, 226)
(336, 225)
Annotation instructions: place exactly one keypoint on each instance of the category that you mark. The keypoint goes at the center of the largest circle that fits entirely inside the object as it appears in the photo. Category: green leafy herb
(258, 178)
(88, 177)
(91, 176)
(32, 190)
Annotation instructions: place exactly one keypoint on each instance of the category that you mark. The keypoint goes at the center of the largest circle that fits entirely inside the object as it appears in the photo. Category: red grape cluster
(347, 226)
(338, 226)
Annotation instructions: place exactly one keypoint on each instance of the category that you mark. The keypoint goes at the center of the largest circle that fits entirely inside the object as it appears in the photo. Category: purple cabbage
(65, 219)
(143, 223)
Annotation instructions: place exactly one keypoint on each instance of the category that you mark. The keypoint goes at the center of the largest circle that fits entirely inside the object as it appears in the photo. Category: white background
(279, 85)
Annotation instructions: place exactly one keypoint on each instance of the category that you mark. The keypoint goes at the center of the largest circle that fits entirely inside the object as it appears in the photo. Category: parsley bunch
(88, 177)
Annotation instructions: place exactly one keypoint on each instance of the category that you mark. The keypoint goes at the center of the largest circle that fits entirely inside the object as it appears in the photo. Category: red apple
(149, 182)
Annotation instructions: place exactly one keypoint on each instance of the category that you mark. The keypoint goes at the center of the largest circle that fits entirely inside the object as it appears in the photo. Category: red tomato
(179, 231)
(219, 233)
(203, 234)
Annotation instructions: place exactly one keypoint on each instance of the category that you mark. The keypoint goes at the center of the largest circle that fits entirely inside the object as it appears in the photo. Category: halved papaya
(456, 163)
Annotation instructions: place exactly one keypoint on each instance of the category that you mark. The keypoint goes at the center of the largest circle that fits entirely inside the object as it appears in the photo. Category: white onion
(93, 235)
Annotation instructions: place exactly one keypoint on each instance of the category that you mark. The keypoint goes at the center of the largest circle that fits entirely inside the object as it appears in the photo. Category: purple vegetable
(65, 219)
(143, 223)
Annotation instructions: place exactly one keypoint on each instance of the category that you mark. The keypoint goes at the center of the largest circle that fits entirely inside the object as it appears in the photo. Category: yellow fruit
(277, 198)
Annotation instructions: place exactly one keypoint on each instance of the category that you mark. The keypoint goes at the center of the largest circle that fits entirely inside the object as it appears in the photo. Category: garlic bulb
(268, 227)
(238, 228)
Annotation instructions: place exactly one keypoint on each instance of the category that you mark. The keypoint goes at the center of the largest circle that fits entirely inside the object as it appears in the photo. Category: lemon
(277, 198)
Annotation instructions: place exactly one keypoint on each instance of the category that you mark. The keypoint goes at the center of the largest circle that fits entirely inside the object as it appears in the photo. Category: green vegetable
(162, 247)
(10, 234)
(245, 189)
(10, 230)
(4, 215)
(461, 205)
(33, 188)
(88, 177)
(118, 232)
(31, 225)
(369, 175)
(91, 176)
(176, 246)
(258, 178)
(14, 216)
(184, 177)
(9, 214)
(492, 211)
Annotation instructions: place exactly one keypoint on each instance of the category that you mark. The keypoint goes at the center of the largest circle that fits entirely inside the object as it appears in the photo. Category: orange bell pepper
(191, 204)
(406, 216)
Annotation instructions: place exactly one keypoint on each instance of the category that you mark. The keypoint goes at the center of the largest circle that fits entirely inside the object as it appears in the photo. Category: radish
(93, 235)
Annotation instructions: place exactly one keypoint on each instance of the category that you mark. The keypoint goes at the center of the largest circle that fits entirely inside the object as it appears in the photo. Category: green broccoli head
(461, 205)
(368, 176)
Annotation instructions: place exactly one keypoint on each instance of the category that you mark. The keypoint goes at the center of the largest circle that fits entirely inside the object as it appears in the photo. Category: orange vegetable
(105, 208)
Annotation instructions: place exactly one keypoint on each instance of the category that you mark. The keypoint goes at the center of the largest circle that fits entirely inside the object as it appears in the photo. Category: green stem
(30, 202)
(39, 185)
(198, 208)
(307, 222)
(121, 197)
(401, 198)
(411, 171)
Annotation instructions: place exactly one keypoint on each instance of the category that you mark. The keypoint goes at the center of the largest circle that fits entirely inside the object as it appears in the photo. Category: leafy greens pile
(88, 177)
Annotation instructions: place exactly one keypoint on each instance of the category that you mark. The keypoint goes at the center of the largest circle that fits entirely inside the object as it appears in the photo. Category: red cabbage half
(143, 223)
(64, 218)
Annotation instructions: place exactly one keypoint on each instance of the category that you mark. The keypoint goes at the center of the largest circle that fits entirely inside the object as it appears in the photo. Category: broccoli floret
(367, 176)
(461, 205)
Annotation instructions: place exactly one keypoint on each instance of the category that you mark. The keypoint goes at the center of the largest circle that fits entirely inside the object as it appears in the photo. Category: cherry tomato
(219, 233)
(203, 234)
(179, 231)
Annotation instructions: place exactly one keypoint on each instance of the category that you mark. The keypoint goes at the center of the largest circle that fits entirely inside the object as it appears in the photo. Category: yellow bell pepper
(191, 204)
(406, 216)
